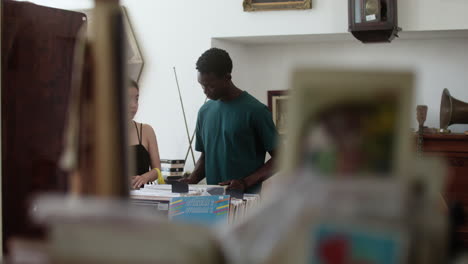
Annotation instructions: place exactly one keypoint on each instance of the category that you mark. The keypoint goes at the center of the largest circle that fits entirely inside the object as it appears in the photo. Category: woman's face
(133, 101)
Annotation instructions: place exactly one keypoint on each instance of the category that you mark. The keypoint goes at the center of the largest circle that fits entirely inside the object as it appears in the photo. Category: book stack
(172, 168)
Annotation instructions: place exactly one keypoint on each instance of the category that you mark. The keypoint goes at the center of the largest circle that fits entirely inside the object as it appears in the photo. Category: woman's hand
(139, 180)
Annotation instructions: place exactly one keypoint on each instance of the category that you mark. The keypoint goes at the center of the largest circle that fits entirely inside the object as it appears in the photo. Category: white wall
(175, 33)
(437, 63)
(225, 18)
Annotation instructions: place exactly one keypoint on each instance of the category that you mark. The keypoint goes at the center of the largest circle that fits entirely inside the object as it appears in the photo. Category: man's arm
(260, 175)
(266, 134)
(198, 173)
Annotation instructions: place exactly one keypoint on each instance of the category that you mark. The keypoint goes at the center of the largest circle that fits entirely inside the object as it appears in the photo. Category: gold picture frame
(262, 5)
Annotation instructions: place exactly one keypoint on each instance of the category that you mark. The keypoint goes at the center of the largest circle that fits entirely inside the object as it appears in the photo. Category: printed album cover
(205, 210)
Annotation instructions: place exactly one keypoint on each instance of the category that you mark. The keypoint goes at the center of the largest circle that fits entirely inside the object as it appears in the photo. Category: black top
(142, 157)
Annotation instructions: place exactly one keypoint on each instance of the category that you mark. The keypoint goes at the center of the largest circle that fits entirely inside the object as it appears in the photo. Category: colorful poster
(333, 244)
(206, 210)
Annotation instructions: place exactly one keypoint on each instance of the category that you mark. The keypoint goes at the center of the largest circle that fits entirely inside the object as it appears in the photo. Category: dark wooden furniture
(454, 149)
(373, 20)
(37, 55)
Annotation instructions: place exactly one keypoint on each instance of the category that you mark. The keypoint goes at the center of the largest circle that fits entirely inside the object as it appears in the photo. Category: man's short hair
(215, 61)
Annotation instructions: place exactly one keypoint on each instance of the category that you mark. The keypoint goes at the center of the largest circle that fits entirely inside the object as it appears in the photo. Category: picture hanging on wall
(135, 62)
(277, 101)
(263, 5)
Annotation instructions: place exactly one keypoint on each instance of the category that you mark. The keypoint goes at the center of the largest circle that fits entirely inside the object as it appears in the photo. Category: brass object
(421, 114)
(252, 5)
(372, 7)
(452, 111)
(444, 131)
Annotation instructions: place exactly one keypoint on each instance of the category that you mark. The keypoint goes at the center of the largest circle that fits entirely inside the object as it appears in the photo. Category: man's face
(214, 87)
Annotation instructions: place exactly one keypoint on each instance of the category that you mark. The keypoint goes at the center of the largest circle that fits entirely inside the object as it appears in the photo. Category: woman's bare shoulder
(148, 129)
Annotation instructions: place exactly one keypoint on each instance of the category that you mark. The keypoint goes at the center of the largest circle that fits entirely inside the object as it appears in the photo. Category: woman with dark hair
(143, 144)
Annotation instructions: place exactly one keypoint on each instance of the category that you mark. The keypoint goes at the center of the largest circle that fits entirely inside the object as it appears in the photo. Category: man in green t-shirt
(234, 130)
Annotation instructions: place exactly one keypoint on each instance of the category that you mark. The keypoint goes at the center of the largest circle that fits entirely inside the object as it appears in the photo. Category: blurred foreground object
(37, 49)
(98, 224)
(312, 220)
(353, 122)
(96, 141)
(352, 190)
(110, 109)
(88, 230)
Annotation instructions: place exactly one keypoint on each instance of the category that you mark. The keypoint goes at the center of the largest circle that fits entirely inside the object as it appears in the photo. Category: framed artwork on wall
(277, 102)
(135, 61)
(262, 5)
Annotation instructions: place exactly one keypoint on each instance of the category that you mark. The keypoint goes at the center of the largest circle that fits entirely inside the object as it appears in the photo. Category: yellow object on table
(160, 179)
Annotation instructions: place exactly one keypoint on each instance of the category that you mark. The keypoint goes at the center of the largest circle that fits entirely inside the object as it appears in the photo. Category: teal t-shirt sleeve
(265, 128)
(198, 136)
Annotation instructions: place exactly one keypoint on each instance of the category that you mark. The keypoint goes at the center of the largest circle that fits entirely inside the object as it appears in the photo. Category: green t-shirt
(235, 137)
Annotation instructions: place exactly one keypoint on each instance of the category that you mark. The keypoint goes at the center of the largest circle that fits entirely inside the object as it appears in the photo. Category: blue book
(205, 210)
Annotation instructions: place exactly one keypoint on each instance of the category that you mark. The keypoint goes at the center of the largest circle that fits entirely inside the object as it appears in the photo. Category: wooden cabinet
(454, 149)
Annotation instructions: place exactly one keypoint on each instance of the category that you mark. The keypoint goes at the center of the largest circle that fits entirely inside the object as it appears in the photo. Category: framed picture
(261, 5)
(277, 101)
(135, 62)
(134, 57)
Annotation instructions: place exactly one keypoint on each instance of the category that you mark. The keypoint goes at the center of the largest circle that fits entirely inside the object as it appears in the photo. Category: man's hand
(138, 181)
(234, 185)
(188, 180)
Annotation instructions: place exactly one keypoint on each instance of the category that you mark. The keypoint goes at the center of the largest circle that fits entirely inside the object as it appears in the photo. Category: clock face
(371, 10)
(371, 7)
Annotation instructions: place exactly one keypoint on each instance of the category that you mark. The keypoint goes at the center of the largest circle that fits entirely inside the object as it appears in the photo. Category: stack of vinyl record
(161, 197)
(172, 168)
(241, 208)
